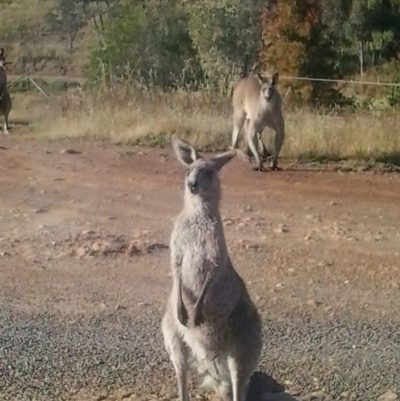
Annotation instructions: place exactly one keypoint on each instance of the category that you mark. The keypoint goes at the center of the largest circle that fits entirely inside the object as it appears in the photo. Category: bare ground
(84, 272)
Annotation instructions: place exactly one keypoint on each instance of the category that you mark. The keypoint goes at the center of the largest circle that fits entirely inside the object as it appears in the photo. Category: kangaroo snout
(192, 186)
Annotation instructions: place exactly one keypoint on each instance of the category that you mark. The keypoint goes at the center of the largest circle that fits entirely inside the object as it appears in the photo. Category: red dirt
(307, 242)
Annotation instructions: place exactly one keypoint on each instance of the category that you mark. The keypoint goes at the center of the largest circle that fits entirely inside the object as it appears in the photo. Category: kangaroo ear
(275, 78)
(220, 160)
(1, 51)
(184, 151)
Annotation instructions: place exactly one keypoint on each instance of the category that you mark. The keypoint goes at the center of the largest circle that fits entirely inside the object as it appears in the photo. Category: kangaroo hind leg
(6, 126)
(251, 139)
(279, 138)
(178, 353)
(239, 117)
(239, 383)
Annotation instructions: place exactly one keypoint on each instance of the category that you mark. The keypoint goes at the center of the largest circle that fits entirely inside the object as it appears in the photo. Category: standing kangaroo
(5, 99)
(257, 104)
(210, 322)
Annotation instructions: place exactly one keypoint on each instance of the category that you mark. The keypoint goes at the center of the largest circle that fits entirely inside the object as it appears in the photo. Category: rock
(40, 210)
(81, 252)
(96, 246)
(88, 232)
(133, 250)
(69, 152)
(228, 221)
(388, 396)
(239, 226)
(281, 229)
(114, 247)
(317, 396)
(250, 246)
(156, 246)
(281, 396)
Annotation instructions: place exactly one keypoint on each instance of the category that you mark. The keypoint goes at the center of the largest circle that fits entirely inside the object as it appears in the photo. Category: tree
(222, 33)
(148, 42)
(295, 42)
(67, 19)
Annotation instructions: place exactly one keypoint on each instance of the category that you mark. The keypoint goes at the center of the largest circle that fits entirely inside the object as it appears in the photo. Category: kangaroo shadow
(265, 388)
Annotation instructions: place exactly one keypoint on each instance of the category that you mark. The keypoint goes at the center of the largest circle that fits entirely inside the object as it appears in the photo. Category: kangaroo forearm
(181, 309)
(203, 291)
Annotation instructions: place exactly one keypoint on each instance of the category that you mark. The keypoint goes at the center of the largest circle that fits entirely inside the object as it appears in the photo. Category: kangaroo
(257, 104)
(247, 154)
(210, 323)
(5, 99)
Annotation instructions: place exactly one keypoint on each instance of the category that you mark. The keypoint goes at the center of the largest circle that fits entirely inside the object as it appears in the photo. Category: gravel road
(43, 359)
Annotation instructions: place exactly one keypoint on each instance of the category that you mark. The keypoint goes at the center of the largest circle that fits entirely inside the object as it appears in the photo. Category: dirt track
(84, 272)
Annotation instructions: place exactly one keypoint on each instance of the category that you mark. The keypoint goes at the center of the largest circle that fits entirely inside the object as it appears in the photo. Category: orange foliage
(286, 32)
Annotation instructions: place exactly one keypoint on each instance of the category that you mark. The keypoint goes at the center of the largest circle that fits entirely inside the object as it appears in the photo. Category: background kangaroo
(210, 322)
(257, 104)
(5, 99)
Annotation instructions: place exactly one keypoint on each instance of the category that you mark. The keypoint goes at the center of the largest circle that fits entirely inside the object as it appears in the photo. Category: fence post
(28, 84)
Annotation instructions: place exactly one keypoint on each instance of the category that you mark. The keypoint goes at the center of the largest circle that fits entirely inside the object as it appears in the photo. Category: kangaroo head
(268, 85)
(201, 175)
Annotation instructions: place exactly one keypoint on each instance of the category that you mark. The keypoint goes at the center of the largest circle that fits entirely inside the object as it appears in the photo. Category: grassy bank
(149, 117)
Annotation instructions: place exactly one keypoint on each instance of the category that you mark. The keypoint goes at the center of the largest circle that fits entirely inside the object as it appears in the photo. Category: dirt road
(84, 272)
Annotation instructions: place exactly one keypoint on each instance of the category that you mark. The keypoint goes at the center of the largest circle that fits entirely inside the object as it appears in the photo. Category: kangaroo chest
(201, 254)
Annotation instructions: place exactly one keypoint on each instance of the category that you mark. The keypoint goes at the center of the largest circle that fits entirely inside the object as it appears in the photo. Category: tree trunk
(373, 53)
(361, 57)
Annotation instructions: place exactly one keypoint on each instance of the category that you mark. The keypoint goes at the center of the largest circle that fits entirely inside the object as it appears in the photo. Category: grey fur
(257, 104)
(210, 323)
(5, 99)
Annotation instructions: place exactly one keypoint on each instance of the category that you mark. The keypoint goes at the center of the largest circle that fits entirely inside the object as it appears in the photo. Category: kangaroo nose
(192, 186)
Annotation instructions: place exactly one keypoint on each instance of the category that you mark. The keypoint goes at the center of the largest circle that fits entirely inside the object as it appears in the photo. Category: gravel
(43, 357)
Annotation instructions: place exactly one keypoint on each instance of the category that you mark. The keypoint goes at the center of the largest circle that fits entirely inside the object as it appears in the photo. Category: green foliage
(67, 19)
(201, 44)
(222, 32)
(393, 93)
(195, 44)
(149, 43)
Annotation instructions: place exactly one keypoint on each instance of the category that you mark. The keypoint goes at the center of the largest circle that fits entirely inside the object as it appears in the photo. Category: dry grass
(25, 35)
(149, 117)
(27, 13)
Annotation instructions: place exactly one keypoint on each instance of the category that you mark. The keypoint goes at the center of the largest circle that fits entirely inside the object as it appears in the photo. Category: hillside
(30, 41)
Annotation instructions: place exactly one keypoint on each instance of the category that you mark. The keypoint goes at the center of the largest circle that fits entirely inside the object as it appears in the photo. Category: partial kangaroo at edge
(5, 99)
